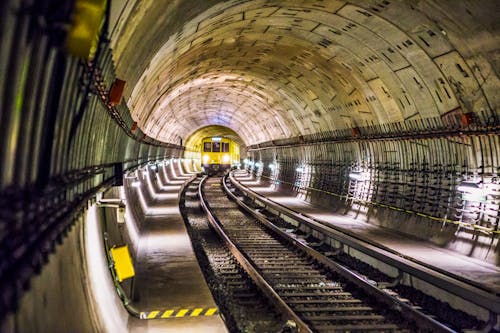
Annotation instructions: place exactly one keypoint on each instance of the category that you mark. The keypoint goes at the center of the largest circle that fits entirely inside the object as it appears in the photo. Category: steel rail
(422, 320)
(250, 269)
(447, 282)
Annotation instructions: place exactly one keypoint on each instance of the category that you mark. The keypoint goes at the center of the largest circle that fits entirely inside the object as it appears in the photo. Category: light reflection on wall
(258, 168)
(274, 174)
(479, 200)
(112, 315)
(303, 175)
(360, 186)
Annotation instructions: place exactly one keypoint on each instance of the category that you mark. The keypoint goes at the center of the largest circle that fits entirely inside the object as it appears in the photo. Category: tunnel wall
(61, 140)
(74, 291)
(407, 185)
(59, 292)
(59, 299)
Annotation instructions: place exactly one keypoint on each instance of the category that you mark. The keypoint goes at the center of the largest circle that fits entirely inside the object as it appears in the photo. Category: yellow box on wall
(122, 262)
(83, 33)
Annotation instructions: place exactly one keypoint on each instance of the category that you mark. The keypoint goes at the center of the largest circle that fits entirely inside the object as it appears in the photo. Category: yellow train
(219, 154)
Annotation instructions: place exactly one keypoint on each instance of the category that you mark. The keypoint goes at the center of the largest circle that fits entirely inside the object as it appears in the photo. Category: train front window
(225, 147)
(216, 147)
(207, 147)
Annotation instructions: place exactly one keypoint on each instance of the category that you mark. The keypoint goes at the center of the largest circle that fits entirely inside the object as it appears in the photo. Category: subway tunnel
(385, 111)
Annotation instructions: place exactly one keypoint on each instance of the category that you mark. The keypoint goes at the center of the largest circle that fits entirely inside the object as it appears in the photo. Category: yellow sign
(123, 263)
(83, 34)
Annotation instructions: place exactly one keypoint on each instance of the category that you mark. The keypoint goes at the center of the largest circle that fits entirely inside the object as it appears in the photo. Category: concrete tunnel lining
(273, 70)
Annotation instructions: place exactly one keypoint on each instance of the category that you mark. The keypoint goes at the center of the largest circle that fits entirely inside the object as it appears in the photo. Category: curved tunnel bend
(384, 110)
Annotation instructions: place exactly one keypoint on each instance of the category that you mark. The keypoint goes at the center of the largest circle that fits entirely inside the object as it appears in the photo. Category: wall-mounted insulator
(134, 126)
(116, 92)
(356, 133)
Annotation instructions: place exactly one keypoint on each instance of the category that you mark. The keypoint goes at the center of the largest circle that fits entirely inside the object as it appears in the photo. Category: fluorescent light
(469, 187)
(359, 176)
(258, 164)
(472, 191)
(136, 184)
(300, 169)
(272, 166)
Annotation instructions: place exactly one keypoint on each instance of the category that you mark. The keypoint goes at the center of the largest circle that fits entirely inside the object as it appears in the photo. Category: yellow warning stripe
(210, 312)
(153, 314)
(196, 312)
(167, 313)
(178, 313)
(181, 313)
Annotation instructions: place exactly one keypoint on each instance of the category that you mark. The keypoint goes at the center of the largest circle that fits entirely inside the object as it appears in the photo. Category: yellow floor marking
(153, 314)
(210, 311)
(167, 313)
(182, 312)
(196, 312)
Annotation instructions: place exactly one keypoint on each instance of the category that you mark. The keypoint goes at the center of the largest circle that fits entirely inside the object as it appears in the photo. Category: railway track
(308, 288)
(337, 247)
(242, 304)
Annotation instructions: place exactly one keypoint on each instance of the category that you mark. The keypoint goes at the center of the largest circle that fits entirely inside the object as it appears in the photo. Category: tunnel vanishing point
(402, 95)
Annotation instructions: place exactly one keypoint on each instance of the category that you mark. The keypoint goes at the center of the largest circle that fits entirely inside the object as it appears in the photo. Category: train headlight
(225, 158)
(206, 158)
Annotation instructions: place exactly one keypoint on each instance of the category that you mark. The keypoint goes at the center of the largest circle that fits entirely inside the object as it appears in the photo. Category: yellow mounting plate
(123, 263)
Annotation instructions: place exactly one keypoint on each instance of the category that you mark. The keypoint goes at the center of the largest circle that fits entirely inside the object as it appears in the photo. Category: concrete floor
(168, 275)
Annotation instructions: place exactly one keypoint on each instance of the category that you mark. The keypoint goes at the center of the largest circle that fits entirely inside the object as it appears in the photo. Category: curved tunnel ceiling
(277, 69)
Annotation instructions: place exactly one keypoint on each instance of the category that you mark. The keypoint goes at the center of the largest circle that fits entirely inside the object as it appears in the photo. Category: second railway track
(315, 296)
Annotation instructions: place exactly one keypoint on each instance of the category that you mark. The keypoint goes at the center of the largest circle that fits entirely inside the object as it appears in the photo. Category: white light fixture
(272, 166)
(300, 169)
(359, 176)
(258, 164)
(472, 191)
(136, 184)
(469, 187)
(245, 161)
(120, 214)
(205, 159)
